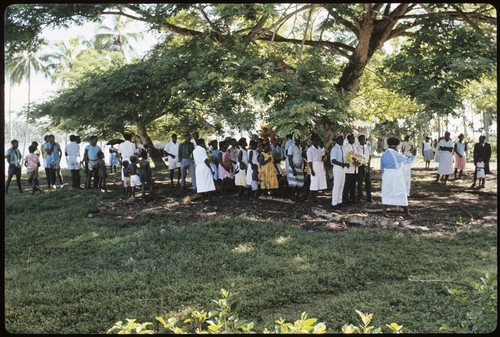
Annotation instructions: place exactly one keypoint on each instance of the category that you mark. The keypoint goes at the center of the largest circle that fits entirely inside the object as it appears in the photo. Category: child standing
(113, 159)
(480, 173)
(102, 174)
(32, 163)
(145, 174)
(255, 181)
(126, 179)
(135, 180)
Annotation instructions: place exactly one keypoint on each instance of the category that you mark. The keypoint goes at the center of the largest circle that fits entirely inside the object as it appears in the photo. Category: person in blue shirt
(54, 154)
(393, 180)
(14, 158)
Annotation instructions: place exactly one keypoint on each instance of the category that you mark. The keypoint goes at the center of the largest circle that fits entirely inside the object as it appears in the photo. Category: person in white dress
(427, 152)
(445, 149)
(407, 148)
(318, 174)
(171, 150)
(393, 180)
(204, 173)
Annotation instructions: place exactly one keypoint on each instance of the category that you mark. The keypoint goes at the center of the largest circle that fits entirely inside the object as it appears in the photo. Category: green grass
(66, 272)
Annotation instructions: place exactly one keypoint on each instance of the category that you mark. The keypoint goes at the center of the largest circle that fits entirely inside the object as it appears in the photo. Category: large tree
(301, 62)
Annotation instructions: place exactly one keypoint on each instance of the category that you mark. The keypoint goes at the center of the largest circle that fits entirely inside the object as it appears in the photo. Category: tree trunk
(154, 153)
(372, 33)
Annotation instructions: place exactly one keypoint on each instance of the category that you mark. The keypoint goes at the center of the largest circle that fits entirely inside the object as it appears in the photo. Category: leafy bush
(481, 296)
(224, 319)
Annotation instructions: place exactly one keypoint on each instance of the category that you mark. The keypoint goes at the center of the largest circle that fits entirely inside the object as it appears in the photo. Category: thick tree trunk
(154, 153)
(372, 33)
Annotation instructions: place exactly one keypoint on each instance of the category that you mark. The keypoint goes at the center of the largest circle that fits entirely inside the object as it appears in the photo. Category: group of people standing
(254, 167)
(92, 163)
(451, 156)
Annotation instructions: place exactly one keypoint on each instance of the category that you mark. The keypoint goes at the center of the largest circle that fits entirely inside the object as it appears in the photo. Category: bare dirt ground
(439, 209)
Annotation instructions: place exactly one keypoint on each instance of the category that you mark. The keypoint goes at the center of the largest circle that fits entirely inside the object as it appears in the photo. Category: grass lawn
(67, 271)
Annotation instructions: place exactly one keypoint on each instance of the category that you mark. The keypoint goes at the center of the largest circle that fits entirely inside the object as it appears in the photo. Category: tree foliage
(297, 65)
(441, 60)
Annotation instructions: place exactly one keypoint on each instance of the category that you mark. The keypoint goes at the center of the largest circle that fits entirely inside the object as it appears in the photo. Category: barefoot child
(101, 173)
(32, 163)
(126, 179)
(145, 174)
(135, 180)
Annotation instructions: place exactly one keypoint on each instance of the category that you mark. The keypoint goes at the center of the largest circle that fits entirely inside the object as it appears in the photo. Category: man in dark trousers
(482, 149)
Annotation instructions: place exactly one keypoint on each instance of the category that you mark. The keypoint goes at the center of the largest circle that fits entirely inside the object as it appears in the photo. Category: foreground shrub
(481, 297)
(224, 320)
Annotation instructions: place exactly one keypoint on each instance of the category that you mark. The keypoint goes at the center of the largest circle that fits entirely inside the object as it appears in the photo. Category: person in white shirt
(171, 150)
(445, 149)
(126, 149)
(337, 160)
(364, 174)
(316, 167)
(72, 152)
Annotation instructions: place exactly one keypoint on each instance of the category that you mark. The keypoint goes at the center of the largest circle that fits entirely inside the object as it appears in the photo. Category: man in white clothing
(72, 152)
(126, 149)
(337, 161)
(171, 150)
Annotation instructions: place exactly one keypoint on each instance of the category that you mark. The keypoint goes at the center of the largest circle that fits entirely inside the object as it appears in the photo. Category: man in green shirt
(186, 159)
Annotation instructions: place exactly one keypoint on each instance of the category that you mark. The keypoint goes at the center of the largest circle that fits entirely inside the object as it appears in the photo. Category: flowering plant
(356, 159)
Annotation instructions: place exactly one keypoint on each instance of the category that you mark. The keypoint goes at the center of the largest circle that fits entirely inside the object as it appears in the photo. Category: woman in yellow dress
(267, 174)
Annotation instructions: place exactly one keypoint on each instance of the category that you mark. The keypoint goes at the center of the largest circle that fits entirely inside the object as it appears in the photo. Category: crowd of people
(254, 167)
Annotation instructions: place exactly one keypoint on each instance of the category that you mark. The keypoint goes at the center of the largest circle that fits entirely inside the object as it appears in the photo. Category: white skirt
(445, 163)
(318, 181)
(394, 188)
(204, 179)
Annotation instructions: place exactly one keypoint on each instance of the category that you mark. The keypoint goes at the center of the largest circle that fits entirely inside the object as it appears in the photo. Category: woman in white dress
(316, 167)
(204, 173)
(445, 149)
(393, 179)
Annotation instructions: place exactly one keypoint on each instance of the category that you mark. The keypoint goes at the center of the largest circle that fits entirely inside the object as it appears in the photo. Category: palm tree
(117, 36)
(61, 59)
(20, 68)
